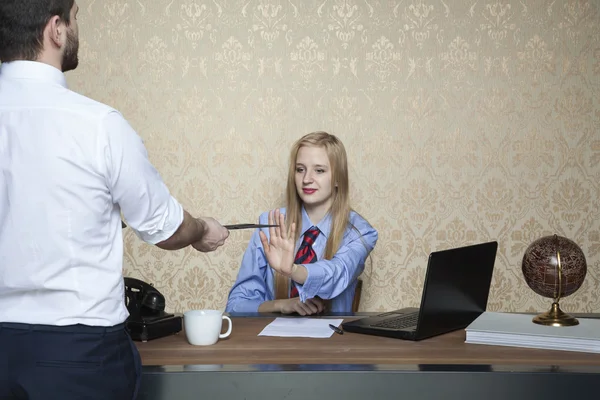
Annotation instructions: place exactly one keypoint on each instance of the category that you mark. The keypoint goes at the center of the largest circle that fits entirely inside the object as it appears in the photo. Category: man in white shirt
(69, 166)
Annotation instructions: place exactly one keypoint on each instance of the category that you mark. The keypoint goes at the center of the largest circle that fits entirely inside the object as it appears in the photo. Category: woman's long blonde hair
(340, 206)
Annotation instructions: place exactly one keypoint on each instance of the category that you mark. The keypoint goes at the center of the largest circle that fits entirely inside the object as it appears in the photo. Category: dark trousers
(67, 362)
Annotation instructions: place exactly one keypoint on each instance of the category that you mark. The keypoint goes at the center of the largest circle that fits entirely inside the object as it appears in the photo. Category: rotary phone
(147, 317)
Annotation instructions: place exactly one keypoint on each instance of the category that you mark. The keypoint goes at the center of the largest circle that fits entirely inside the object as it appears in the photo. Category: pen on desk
(336, 329)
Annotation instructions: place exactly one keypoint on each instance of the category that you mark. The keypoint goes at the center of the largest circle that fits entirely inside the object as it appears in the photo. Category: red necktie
(305, 254)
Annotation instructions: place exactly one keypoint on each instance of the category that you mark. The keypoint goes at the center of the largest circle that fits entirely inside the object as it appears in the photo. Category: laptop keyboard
(400, 322)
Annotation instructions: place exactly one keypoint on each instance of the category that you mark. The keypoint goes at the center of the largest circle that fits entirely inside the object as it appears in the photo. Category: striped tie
(305, 254)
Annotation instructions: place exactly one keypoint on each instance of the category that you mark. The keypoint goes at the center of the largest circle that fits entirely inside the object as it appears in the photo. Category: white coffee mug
(203, 327)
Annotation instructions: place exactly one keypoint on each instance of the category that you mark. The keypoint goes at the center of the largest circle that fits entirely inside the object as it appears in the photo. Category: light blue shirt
(333, 279)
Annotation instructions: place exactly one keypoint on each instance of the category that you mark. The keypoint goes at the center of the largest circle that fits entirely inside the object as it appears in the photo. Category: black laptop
(456, 289)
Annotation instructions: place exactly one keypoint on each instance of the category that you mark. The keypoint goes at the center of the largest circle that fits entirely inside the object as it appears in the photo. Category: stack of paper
(518, 330)
(300, 327)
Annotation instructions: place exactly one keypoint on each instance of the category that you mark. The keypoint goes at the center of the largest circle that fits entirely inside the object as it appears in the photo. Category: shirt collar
(33, 70)
(324, 225)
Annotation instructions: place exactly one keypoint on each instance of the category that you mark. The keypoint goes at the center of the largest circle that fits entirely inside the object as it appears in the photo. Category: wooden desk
(244, 346)
(247, 366)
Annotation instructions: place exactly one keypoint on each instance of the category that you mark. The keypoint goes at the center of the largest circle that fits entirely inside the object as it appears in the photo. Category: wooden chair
(357, 292)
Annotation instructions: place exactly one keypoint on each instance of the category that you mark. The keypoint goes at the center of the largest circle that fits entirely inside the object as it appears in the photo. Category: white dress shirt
(68, 167)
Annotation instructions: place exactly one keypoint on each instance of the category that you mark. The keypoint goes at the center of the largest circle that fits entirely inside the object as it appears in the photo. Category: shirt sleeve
(250, 289)
(135, 185)
(329, 278)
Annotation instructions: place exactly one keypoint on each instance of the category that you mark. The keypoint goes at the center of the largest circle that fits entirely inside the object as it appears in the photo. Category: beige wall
(464, 121)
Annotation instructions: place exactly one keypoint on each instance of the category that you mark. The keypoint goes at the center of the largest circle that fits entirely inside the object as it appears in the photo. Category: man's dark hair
(22, 24)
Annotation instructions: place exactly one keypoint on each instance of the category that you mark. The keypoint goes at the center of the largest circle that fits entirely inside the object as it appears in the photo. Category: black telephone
(147, 317)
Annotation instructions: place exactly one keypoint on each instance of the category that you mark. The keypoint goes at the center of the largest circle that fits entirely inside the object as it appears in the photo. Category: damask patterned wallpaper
(464, 120)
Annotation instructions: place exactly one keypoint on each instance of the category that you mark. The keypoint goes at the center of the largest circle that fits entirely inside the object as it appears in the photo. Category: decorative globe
(555, 267)
(540, 266)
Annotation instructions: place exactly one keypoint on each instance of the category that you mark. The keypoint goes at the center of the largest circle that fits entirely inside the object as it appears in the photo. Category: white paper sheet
(301, 327)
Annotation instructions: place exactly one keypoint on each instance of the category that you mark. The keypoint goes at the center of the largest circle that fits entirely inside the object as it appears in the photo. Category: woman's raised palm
(279, 248)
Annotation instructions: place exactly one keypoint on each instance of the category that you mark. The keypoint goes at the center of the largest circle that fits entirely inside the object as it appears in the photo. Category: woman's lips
(309, 191)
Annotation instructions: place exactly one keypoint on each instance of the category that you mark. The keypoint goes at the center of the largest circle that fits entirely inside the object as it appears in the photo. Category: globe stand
(555, 317)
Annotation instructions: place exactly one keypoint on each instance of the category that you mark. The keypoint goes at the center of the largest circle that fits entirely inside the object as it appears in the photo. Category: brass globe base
(555, 317)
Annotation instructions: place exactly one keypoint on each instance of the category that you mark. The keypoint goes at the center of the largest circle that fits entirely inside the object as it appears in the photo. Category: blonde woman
(313, 259)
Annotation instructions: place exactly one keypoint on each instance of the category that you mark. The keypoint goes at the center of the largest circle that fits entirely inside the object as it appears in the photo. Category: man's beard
(70, 59)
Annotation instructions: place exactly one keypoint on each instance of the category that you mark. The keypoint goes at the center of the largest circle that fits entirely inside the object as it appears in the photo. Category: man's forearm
(191, 230)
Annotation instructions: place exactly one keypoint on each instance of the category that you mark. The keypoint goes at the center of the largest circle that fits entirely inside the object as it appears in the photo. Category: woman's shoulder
(359, 222)
(359, 227)
(356, 217)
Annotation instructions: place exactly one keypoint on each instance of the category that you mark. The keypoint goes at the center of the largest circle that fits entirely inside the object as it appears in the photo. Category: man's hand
(213, 237)
(294, 305)
(279, 248)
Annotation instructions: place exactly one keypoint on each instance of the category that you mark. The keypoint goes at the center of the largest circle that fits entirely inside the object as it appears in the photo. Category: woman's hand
(294, 305)
(279, 248)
